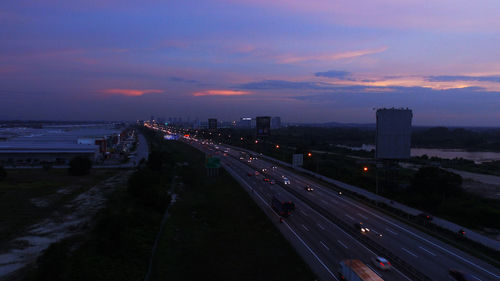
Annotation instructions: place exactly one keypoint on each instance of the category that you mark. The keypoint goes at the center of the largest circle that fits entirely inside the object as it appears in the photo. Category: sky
(306, 61)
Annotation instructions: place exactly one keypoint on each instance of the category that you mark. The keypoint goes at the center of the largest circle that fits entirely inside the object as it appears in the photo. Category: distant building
(393, 136)
(226, 124)
(276, 122)
(25, 153)
(263, 125)
(59, 144)
(245, 122)
(212, 124)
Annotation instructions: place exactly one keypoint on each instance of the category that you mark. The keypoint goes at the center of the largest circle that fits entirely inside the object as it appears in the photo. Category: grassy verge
(30, 195)
(217, 232)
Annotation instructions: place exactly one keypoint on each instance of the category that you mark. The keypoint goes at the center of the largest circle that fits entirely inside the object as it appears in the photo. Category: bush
(432, 185)
(3, 173)
(79, 166)
(146, 187)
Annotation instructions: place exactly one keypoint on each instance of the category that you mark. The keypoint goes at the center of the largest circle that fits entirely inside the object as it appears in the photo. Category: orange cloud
(130, 92)
(333, 57)
(220, 93)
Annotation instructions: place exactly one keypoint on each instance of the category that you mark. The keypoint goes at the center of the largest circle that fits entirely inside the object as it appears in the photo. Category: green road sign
(212, 162)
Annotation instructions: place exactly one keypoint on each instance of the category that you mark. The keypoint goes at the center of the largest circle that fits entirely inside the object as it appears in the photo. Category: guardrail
(370, 243)
(446, 228)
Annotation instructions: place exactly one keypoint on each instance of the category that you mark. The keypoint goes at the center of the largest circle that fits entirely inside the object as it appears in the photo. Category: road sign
(212, 162)
(297, 160)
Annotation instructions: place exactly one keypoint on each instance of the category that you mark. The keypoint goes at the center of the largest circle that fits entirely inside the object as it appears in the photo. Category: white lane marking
(304, 213)
(324, 245)
(312, 252)
(362, 216)
(404, 249)
(423, 239)
(296, 235)
(390, 231)
(327, 220)
(320, 226)
(305, 227)
(349, 216)
(342, 244)
(376, 272)
(424, 249)
(476, 278)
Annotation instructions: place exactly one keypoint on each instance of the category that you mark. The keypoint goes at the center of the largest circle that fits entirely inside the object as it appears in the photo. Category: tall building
(212, 124)
(276, 122)
(393, 136)
(263, 125)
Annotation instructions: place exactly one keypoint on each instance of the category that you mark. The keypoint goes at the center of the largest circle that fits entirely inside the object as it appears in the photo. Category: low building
(25, 153)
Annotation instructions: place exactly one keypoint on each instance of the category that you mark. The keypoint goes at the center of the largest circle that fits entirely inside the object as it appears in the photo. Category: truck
(356, 270)
(281, 206)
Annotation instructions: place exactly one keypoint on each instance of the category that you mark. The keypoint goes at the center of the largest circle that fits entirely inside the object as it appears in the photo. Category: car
(361, 227)
(250, 174)
(272, 182)
(381, 263)
(267, 179)
(459, 275)
(309, 188)
(264, 170)
(425, 217)
(257, 173)
(286, 181)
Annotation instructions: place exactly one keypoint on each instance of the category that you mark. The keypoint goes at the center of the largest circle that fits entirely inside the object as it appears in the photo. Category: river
(476, 156)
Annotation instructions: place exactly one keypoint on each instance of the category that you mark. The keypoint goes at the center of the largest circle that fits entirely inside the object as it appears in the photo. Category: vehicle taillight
(382, 264)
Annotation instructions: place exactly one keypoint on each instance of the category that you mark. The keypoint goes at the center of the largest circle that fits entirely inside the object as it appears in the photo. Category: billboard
(393, 136)
(212, 124)
(297, 160)
(263, 124)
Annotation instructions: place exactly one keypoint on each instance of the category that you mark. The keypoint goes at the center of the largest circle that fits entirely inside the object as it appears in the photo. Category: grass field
(216, 232)
(29, 195)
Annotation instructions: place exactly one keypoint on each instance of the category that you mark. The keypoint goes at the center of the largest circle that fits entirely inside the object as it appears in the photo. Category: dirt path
(72, 218)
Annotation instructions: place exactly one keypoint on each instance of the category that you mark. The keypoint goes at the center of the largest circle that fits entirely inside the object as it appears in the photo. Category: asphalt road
(332, 243)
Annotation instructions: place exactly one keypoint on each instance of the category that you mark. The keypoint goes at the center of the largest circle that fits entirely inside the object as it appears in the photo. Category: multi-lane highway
(324, 220)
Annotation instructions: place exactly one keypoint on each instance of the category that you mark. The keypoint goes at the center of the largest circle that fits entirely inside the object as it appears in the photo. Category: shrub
(79, 166)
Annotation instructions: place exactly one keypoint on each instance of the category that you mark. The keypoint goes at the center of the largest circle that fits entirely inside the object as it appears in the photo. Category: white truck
(356, 270)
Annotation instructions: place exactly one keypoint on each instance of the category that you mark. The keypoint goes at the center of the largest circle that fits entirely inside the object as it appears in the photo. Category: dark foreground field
(214, 230)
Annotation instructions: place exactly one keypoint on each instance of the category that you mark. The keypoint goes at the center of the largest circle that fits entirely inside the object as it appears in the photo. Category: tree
(79, 166)
(432, 185)
(3, 173)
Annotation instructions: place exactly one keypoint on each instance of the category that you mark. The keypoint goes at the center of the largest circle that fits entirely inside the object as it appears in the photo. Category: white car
(286, 181)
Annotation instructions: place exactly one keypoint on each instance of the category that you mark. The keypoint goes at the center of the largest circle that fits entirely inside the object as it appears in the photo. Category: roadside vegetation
(214, 231)
(395, 182)
(217, 232)
(30, 195)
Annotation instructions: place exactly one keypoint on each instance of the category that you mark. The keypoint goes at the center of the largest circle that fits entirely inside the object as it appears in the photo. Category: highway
(325, 220)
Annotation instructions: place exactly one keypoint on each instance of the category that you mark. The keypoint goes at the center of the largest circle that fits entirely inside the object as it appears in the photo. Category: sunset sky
(306, 61)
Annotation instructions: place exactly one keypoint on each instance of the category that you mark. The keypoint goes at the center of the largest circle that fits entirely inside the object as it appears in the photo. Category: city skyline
(320, 61)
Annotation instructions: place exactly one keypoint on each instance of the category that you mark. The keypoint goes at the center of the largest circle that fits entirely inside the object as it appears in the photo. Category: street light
(309, 154)
(365, 169)
(277, 146)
